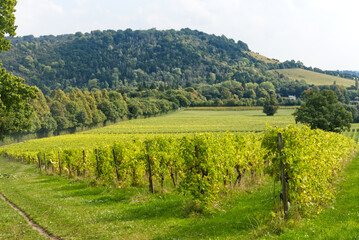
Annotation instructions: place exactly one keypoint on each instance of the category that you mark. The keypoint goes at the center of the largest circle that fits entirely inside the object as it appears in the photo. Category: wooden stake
(97, 166)
(284, 183)
(39, 158)
(116, 167)
(60, 163)
(149, 168)
(84, 162)
(45, 162)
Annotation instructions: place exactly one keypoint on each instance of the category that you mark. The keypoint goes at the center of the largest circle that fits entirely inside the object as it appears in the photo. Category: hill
(314, 78)
(148, 59)
(111, 59)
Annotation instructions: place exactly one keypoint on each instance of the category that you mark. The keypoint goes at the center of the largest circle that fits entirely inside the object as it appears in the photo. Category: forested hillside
(111, 59)
(93, 78)
(115, 59)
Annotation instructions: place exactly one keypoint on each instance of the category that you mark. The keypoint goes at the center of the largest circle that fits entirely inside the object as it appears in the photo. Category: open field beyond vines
(181, 122)
(202, 121)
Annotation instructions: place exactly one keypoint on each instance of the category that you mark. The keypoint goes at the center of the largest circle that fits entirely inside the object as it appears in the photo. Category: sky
(319, 33)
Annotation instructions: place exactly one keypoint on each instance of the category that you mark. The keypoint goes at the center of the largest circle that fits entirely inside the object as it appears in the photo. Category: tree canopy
(271, 105)
(15, 110)
(323, 110)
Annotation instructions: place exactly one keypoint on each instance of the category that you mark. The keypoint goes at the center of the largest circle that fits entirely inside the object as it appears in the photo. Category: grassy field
(235, 108)
(314, 78)
(201, 121)
(181, 122)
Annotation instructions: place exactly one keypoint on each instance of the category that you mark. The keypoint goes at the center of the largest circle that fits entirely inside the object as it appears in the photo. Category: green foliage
(15, 111)
(313, 160)
(7, 23)
(69, 111)
(201, 165)
(145, 60)
(271, 105)
(323, 110)
(204, 166)
(113, 59)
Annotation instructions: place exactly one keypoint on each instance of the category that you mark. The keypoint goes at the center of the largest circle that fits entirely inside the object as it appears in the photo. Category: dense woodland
(94, 78)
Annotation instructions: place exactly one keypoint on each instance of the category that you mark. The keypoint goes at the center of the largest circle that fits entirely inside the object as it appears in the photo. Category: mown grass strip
(29, 221)
(13, 226)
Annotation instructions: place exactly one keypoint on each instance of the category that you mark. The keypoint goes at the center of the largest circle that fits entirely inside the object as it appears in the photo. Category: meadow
(201, 121)
(314, 78)
(181, 122)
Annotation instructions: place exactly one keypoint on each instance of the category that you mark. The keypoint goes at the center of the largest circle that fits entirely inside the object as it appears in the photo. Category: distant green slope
(113, 59)
(314, 78)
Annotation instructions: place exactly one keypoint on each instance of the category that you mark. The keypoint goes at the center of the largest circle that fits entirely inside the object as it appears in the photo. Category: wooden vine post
(84, 162)
(149, 168)
(39, 158)
(45, 162)
(97, 166)
(116, 167)
(59, 163)
(284, 183)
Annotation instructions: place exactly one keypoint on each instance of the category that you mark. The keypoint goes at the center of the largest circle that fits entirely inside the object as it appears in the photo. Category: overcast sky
(320, 33)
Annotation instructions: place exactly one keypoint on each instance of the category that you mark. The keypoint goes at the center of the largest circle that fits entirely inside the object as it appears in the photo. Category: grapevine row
(204, 165)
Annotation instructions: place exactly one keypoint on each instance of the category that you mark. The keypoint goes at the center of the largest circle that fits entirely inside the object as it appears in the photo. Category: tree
(15, 110)
(270, 105)
(323, 110)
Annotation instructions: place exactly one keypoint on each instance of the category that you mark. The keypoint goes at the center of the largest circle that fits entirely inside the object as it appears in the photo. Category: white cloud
(35, 16)
(81, 2)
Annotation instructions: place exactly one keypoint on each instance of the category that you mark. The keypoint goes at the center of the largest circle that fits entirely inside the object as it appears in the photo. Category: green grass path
(13, 226)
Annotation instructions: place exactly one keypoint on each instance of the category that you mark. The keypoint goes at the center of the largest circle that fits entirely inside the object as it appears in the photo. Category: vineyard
(207, 165)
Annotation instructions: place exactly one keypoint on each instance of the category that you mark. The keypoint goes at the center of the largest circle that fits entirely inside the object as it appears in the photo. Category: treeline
(354, 73)
(77, 109)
